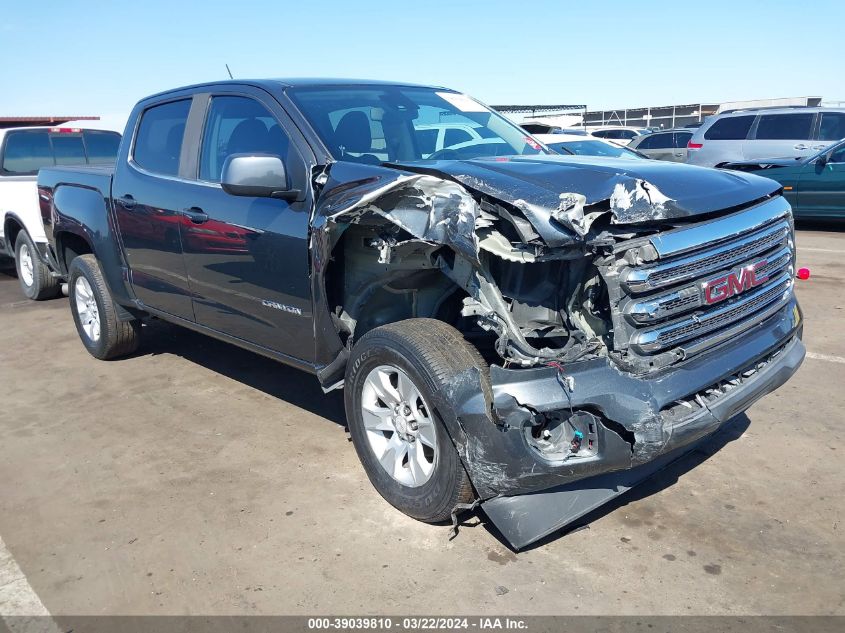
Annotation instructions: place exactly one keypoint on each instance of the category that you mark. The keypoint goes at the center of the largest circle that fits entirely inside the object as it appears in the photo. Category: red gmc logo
(734, 283)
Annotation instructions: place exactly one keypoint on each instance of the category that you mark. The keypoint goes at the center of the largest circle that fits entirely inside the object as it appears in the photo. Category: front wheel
(399, 436)
(35, 278)
(103, 334)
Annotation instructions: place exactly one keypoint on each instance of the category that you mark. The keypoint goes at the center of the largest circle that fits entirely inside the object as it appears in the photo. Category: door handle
(800, 146)
(195, 215)
(679, 154)
(127, 202)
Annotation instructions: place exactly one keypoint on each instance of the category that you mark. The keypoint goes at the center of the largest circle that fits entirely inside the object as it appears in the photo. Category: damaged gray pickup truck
(529, 332)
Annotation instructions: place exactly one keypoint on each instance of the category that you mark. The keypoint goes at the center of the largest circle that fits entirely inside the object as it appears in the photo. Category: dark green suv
(814, 186)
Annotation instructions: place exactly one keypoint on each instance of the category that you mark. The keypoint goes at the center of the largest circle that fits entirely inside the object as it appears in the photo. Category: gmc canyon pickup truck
(23, 151)
(519, 330)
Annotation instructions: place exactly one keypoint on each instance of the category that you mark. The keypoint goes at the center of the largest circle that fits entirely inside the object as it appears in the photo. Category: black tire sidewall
(426, 502)
(80, 268)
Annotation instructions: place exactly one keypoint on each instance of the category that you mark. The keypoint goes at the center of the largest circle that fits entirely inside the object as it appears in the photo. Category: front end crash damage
(562, 423)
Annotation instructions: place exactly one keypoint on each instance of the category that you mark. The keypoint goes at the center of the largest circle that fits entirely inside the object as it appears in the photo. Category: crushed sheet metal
(429, 208)
(637, 201)
(629, 191)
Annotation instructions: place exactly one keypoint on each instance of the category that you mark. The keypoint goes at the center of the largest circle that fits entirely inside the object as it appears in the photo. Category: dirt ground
(196, 478)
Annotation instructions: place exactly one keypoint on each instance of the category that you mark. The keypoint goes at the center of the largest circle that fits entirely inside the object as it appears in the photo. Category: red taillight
(692, 145)
(65, 130)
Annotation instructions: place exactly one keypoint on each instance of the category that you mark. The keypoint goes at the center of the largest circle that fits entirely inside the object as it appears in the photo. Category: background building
(680, 115)
(664, 117)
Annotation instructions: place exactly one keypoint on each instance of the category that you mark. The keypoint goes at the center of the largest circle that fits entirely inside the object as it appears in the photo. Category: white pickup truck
(23, 151)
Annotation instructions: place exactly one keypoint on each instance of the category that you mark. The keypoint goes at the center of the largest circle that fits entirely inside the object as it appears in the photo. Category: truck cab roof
(296, 82)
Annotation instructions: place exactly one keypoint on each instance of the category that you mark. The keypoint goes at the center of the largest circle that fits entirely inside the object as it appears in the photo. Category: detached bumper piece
(620, 429)
(528, 518)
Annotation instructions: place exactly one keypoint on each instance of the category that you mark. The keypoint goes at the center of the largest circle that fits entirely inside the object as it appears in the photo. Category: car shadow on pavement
(832, 224)
(294, 386)
(302, 390)
(704, 450)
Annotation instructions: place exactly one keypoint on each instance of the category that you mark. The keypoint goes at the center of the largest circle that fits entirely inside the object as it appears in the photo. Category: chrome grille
(665, 336)
(691, 295)
(726, 256)
(664, 305)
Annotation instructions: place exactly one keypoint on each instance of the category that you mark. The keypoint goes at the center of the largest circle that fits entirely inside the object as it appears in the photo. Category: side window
(832, 126)
(627, 134)
(26, 152)
(732, 128)
(158, 142)
(785, 126)
(648, 142)
(838, 156)
(682, 138)
(661, 141)
(238, 125)
(602, 133)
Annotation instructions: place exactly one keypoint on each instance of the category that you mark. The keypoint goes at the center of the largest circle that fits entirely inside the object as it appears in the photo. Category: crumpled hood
(573, 190)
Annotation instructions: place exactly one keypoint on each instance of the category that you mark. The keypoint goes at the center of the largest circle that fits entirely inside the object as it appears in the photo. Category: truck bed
(92, 176)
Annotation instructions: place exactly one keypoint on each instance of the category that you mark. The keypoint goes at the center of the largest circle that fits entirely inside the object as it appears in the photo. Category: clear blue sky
(99, 57)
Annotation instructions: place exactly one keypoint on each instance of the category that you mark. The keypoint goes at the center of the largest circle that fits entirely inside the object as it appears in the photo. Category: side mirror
(259, 176)
(822, 160)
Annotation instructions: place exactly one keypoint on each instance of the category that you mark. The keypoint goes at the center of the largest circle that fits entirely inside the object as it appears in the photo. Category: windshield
(594, 148)
(833, 146)
(375, 124)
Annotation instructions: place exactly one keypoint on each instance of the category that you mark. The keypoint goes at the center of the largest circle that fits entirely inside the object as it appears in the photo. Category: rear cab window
(796, 126)
(731, 128)
(24, 152)
(158, 140)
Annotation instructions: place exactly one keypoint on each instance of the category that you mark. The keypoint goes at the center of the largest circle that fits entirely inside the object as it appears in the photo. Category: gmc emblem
(734, 283)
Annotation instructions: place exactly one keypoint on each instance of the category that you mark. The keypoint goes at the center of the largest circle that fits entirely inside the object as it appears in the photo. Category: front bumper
(641, 425)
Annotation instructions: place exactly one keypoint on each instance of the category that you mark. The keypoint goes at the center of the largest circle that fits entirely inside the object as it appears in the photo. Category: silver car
(790, 132)
(664, 145)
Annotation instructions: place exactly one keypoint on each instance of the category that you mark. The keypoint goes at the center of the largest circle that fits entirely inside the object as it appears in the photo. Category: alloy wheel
(399, 426)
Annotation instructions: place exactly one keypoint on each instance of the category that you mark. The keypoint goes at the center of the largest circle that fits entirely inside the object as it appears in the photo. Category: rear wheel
(400, 438)
(94, 313)
(36, 281)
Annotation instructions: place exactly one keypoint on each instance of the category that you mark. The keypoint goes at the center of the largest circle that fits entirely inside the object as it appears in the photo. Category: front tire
(400, 438)
(94, 313)
(35, 278)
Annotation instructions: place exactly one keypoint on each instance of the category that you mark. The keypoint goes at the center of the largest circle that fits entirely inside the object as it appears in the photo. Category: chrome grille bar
(736, 225)
(690, 297)
(645, 278)
(672, 334)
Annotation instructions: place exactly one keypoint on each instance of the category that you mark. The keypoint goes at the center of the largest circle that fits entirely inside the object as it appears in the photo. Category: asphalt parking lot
(196, 478)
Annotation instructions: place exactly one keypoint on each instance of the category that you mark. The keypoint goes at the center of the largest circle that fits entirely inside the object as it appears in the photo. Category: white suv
(740, 135)
(23, 151)
(619, 134)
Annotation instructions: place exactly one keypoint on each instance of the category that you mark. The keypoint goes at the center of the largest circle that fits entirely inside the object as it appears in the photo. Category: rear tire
(34, 276)
(94, 313)
(416, 356)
